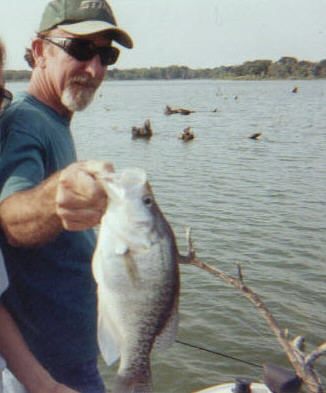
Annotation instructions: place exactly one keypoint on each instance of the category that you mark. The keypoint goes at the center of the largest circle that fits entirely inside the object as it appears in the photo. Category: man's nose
(94, 66)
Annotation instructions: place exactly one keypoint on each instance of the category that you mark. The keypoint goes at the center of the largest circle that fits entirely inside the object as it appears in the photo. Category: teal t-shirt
(52, 294)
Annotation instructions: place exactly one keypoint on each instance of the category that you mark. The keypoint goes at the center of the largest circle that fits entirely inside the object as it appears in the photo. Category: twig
(314, 355)
(303, 365)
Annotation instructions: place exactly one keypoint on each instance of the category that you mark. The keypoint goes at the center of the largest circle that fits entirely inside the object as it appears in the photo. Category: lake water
(260, 203)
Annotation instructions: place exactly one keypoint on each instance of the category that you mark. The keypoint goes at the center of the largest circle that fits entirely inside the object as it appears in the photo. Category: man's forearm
(18, 357)
(72, 199)
(28, 218)
(21, 362)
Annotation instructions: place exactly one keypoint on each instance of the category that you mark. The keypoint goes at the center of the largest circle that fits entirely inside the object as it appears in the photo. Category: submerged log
(170, 111)
(143, 132)
(187, 134)
(255, 136)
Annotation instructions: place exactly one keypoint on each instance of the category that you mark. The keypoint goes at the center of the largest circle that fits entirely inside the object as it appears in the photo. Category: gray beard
(76, 100)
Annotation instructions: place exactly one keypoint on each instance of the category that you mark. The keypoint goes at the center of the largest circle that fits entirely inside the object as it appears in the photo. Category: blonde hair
(2, 53)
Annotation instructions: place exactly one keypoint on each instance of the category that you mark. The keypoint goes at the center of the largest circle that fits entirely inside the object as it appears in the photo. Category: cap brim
(92, 27)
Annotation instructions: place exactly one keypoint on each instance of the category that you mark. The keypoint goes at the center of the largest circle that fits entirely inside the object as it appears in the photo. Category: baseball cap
(83, 17)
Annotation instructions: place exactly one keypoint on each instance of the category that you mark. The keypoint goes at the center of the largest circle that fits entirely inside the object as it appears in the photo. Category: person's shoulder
(24, 105)
(26, 115)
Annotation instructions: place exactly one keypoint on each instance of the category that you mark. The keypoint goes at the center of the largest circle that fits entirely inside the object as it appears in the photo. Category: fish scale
(136, 269)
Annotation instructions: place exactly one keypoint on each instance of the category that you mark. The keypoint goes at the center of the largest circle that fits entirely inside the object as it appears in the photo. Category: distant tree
(306, 69)
(286, 67)
(17, 75)
(320, 69)
(286, 60)
(207, 73)
(257, 68)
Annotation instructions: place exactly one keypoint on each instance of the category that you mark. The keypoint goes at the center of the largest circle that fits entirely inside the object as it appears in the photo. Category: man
(49, 201)
(12, 346)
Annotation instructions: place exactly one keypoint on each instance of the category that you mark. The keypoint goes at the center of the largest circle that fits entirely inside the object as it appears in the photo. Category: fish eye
(148, 200)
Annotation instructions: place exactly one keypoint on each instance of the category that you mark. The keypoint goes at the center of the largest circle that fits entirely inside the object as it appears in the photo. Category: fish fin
(135, 383)
(107, 343)
(169, 333)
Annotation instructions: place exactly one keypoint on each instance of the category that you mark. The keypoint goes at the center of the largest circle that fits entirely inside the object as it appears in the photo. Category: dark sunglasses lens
(84, 50)
(109, 55)
(80, 50)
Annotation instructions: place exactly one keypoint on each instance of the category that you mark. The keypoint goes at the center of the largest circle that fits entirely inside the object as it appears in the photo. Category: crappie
(136, 269)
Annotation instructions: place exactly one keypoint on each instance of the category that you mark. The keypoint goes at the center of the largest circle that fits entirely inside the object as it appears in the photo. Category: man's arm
(29, 218)
(21, 361)
(70, 199)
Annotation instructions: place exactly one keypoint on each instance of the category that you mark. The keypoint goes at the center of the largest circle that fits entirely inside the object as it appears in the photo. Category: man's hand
(81, 199)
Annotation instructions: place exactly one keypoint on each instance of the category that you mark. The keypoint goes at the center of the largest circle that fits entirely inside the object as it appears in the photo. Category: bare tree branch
(299, 343)
(302, 365)
(314, 355)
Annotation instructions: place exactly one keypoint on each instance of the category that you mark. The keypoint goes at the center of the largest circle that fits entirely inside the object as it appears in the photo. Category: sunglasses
(5, 98)
(84, 50)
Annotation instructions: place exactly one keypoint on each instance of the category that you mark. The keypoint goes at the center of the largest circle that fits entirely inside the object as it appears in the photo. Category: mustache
(85, 80)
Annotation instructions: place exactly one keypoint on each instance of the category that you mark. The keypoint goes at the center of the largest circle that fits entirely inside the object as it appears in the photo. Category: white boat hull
(229, 388)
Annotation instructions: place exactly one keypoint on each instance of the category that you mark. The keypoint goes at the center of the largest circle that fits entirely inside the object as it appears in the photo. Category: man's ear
(38, 50)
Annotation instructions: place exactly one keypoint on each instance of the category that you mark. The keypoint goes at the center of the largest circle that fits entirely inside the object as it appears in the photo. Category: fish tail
(136, 384)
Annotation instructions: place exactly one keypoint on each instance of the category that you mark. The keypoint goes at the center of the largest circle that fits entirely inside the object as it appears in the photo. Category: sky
(193, 33)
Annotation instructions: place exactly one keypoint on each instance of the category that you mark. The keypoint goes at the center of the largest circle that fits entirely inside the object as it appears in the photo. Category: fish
(135, 266)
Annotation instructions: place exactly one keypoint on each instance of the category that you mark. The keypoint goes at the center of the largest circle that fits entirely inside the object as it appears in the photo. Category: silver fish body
(136, 269)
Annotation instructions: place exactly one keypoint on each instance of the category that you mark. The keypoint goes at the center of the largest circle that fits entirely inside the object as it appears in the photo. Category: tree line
(284, 68)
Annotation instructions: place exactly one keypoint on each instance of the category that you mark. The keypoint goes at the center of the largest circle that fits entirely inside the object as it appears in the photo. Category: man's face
(73, 81)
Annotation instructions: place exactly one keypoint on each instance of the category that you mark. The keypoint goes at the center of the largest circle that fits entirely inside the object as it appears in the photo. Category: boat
(277, 380)
(236, 388)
